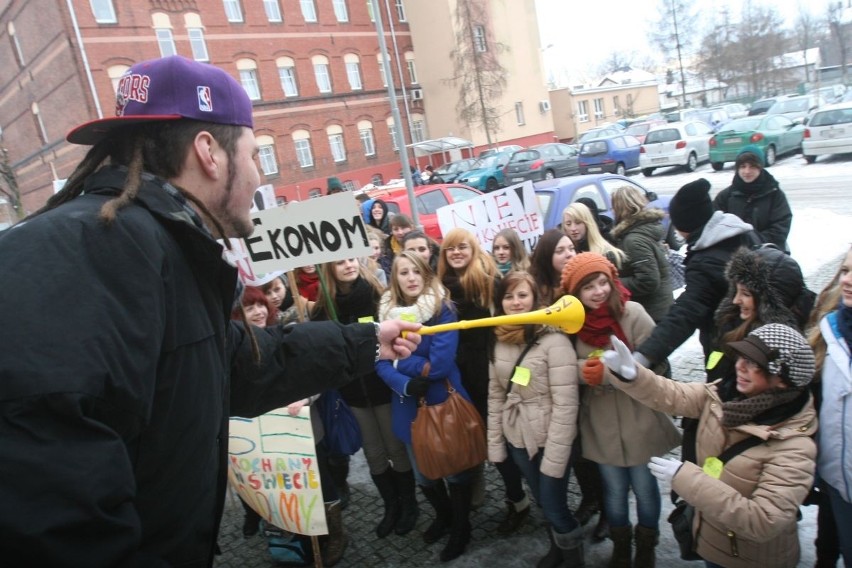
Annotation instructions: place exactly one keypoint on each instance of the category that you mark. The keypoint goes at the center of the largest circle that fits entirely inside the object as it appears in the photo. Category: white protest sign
(264, 198)
(515, 207)
(272, 464)
(319, 230)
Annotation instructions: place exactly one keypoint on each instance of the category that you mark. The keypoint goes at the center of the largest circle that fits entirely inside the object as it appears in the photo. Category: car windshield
(483, 163)
(524, 156)
(638, 129)
(829, 117)
(666, 135)
(795, 105)
(594, 147)
(743, 125)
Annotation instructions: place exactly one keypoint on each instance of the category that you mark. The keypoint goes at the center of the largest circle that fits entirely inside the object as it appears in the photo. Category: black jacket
(115, 407)
(761, 204)
(708, 251)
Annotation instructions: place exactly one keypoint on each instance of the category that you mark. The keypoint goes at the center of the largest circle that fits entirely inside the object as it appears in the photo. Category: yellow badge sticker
(409, 317)
(521, 376)
(713, 467)
(365, 319)
(596, 353)
(714, 359)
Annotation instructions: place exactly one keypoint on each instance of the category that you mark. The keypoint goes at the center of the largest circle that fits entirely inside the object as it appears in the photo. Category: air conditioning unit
(544, 106)
(416, 94)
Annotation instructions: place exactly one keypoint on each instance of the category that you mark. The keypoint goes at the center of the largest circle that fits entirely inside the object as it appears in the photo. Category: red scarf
(600, 324)
(308, 284)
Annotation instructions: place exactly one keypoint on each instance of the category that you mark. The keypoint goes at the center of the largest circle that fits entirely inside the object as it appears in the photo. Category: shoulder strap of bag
(739, 448)
(518, 362)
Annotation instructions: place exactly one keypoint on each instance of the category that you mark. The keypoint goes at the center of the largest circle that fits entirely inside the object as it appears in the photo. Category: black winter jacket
(115, 408)
(708, 251)
(761, 204)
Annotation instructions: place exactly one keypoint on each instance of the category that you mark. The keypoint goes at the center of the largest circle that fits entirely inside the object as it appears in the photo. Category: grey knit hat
(779, 350)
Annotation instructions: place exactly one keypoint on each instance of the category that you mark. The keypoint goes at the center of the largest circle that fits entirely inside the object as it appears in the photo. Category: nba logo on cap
(205, 100)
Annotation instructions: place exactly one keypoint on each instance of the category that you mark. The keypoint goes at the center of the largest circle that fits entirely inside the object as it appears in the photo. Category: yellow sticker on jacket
(596, 353)
(713, 467)
(714, 359)
(408, 316)
(366, 319)
(521, 376)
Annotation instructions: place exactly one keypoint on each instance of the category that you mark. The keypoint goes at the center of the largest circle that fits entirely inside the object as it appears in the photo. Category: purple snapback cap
(171, 88)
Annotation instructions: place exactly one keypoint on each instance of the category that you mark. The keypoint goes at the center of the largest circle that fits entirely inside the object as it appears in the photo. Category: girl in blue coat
(414, 290)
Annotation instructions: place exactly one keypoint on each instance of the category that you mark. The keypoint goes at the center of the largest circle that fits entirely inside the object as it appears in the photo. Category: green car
(774, 134)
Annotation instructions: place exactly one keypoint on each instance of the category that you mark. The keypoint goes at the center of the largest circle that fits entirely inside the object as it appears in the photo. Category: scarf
(308, 284)
(741, 410)
(423, 309)
(514, 334)
(844, 323)
(600, 324)
(504, 267)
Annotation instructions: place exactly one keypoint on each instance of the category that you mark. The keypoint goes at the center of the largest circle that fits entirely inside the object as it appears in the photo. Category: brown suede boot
(646, 542)
(622, 541)
(332, 552)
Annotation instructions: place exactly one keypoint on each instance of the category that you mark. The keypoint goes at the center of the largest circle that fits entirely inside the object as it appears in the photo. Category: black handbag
(683, 514)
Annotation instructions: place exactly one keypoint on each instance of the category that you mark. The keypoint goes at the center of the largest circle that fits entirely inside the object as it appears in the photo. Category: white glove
(620, 361)
(664, 469)
(641, 359)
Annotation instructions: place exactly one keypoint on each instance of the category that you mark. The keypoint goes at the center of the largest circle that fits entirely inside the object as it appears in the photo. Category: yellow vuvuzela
(567, 313)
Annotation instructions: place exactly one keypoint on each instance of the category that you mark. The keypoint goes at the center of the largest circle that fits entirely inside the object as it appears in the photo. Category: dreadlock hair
(158, 148)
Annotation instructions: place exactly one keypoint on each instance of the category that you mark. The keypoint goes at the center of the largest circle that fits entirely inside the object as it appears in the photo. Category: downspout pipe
(85, 59)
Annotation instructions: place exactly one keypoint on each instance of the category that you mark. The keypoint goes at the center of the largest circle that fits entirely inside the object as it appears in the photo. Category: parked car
(486, 174)
(682, 115)
(829, 131)
(544, 161)
(557, 194)
(797, 108)
(762, 105)
(449, 172)
(772, 133)
(641, 128)
(599, 132)
(676, 144)
(613, 154)
(714, 118)
(831, 93)
(429, 199)
(734, 110)
(491, 151)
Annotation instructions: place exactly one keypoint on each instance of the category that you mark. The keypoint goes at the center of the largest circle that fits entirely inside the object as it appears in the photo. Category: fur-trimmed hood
(776, 282)
(643, 217)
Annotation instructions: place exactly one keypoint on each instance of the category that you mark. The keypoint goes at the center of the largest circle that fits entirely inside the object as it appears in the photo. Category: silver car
(829, 131)
(683, 144)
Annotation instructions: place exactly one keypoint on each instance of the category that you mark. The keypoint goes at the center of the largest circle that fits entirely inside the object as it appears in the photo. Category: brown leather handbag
(448, 437)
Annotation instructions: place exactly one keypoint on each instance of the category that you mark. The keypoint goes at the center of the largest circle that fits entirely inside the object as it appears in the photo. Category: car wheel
(810, 159)
(619, 169)
(717, 166)
(691, 162)
(647, 172)
(491, 185)
(770, 155)
(549, 174)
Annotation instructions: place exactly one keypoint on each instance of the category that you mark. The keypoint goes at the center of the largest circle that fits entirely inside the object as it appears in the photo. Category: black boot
(570, 546)
(646, 542)
(622, 547)
(601, 531)
(553, 558)
(388, 492)
(408, 510)
(589, 479)
(339, 468)
(251, 520)
(460, 527)
(516, 514)
(437, 496)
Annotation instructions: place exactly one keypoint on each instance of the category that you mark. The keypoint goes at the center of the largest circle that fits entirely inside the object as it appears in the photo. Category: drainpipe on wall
(89, 77)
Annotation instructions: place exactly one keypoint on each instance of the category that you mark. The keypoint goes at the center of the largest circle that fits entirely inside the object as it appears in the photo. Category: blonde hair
(477, 279)
(627, 201)
(518, 254)
(826, 303)
(431, 284)
(579, 213)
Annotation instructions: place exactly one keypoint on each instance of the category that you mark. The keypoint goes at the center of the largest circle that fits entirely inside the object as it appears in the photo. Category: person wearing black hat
(746, 507)
(755, 197)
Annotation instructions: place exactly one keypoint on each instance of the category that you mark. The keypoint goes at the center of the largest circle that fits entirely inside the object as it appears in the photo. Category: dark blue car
(612, 154)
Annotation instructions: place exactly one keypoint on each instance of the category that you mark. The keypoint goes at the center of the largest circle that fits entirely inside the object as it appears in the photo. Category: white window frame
(233, 10)
(382, 74)
(338, 148)
(418, 131)
(323, 77)
(392, 132)
(248, 79)
(599, 107)
(309, 10)
(400, 11)
(273, 11)
(287, 77)
(198, 45)
(370, 12)
(103, 11)
(480, 43)
(166, 42)
(340, 10)
(519, 113)
(368, 142)
(42, 131)
(19, 53)
(582, 111)
(266, 157)
(304, 155)
(353, 73)
(412, 71)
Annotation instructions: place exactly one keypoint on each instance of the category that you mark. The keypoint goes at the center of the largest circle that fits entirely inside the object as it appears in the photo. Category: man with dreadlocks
(114, 421)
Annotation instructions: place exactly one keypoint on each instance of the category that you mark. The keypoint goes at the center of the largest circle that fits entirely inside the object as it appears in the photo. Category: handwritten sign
(514, 207)
(273, 466)
(319, 230)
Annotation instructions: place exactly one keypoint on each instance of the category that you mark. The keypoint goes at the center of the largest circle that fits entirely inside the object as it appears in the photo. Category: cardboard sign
(272, 464)
(319, 230)
(514, 207)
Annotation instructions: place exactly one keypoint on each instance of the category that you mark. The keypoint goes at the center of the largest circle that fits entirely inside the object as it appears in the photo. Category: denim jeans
(549, 492)
(617, 482)
(423, 481)
(842, 510)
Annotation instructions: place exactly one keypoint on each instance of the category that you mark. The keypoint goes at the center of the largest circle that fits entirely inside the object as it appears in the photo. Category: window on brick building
(400, 11)
(42, 131)
(365, 133)
(321, 73)
(418, 128)
(370, 11)
(599, 108)
(273, 11)
(309, 10)
(412, 69)
(583, 111)
(340, 10)
(392, 131)
(266, 155)
(479, 42)
(302, 144)
(248, 78)
(335, 142)
(166, 42)
(314, 193)
(287, 75)
(115, 74)
(233, 10)
(103, 11)
(382, 70)
(353, 71)
(16, 45)
(196, 41)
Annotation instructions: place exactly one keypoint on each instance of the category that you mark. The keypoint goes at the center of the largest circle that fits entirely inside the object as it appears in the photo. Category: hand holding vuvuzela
(566, 313)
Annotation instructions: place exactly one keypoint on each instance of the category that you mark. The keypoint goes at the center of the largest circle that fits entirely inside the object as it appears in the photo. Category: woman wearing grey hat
(745, 508)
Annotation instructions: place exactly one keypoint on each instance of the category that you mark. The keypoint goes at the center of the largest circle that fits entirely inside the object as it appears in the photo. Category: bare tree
(806, 31)
(9, 186)
(838, 32)
(760, 41)
(673, 33)
(715, 53)
(477, 71)
(615, 61)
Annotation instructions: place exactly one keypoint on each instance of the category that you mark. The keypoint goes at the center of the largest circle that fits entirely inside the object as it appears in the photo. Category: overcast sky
(582, 34)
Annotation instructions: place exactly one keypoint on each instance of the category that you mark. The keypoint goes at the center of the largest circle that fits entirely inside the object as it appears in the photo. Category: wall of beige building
(616, 102)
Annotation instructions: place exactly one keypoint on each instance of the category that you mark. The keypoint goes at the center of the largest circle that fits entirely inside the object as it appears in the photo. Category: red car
(429, 198)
